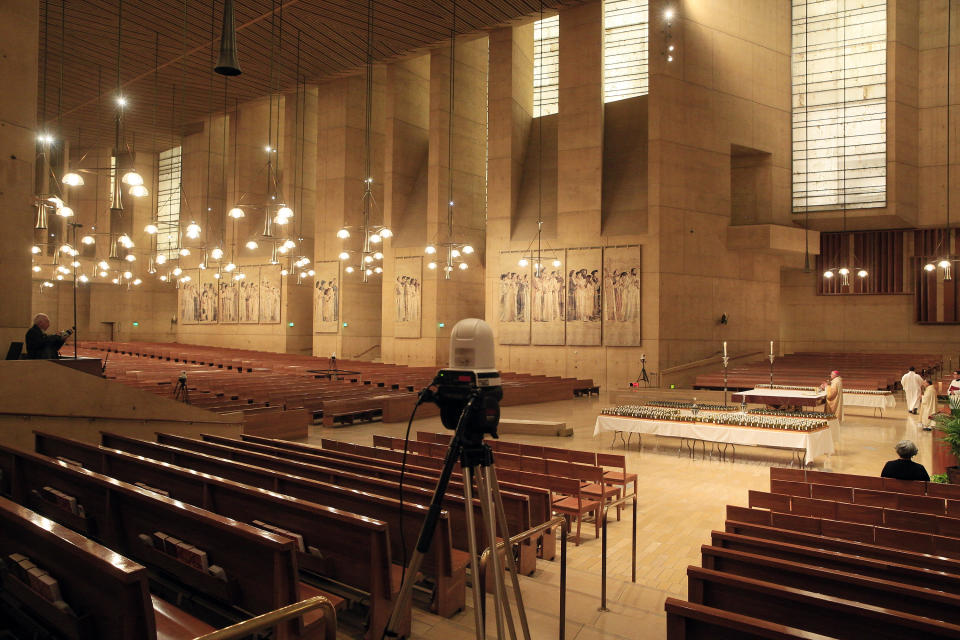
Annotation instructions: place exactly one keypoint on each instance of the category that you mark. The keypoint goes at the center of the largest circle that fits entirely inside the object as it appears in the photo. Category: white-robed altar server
(911, 388)
(928, 404)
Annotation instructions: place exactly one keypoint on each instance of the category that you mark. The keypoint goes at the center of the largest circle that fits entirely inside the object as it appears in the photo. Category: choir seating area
(866, 371)
(195, 527)
(281, 394)
(829, 555)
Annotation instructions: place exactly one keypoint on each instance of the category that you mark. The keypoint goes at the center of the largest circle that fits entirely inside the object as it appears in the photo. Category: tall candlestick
(771, 347)
(724, 348)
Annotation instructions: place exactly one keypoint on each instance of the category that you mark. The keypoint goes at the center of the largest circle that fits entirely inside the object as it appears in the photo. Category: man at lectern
(41, 346)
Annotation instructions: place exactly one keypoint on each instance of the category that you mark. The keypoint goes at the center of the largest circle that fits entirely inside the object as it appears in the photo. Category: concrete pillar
(19, 33)
(580, 129)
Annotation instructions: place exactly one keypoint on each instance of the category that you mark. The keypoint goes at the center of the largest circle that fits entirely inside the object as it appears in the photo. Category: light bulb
(130, 257)
(285, 212)
(369, 272)
(556, 263)
(375, 238)
(59, 277)
(378, 256)
(216, 276)
(65, 212)
(455, 253)
(430, 249)
(34, 249)
(862, 273)
(303, 274)
(127, 274)
(289, 244)
(368, 259)
(161, 258)
(431, 265)
(468, 249)
(523, 262)
(670, 48)
(929, 266)
(202, 266)
(378, 269)
(343, 234)
(311, 273)
(62, 269)
(177, 271)
(48, 284)
(386, 233)
(252, 244)
(280, 220)
(103, 274)
(463, 266)
(828, 274)
(282, 249)
(75, 264)
(65, 248)
(83, 278)
(132, 178)
(163, 278)
(139, 191)
(448, 268)
(344, 255)
(121, 101)
(668, 14)
(125, 241)
(184, 252)
(268, 148)
(230, 267)
(193, 230)
(217, 253)
(943, 264)
(844, 271)
(349, 269)
(137, 282)
(103, 264)
(87, 240)
(72, 179)
(669, 58)
(57, 202)
(36, 268)
(537, 266)
(283, 272)
(236, 213)
(115, 281)
(185, 279)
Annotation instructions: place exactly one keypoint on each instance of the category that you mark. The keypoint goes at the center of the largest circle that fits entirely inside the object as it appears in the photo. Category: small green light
(136, 324)
(441, 325)
(673, 386)
(289, 324)
(344, 324)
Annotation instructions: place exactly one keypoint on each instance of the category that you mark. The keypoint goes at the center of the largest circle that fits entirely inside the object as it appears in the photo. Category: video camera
(472, 379)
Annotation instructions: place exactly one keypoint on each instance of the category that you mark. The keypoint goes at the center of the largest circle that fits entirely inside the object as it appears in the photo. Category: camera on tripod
(471, 383)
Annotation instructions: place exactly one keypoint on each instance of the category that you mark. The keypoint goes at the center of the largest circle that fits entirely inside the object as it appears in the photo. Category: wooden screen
(879, 252)
(937, 301)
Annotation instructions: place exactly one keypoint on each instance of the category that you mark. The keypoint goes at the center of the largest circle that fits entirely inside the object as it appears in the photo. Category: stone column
(19, 34)
(580, 128)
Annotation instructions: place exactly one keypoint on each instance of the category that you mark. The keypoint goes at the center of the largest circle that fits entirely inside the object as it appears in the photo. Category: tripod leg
(511, 565)
(477, 588)
(499, 595)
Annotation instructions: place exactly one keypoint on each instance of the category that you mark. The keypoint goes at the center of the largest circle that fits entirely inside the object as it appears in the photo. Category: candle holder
(726, 362)
(771, 357)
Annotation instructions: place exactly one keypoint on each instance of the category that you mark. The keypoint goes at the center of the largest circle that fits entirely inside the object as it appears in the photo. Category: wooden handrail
(278, 616)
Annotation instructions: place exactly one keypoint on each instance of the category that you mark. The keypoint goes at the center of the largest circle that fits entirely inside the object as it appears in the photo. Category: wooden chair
(617, 478)
(573, 504)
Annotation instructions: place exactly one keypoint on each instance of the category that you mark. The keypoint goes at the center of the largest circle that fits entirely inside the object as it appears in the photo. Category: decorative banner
(270, 294)
(208, 311)
(407, 290)
(249, 299)
(188, 299)
(513, 307)
(229, 296)
(326, 297)
(583, 296)
(621, 296)
(547, 306)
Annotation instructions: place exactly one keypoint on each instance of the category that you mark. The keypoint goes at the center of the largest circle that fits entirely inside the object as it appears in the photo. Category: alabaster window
(625, 40)
(839, 104)
(168, 202)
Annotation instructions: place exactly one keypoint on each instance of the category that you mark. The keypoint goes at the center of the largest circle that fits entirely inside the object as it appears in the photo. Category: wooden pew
(258, 570)
(349, 549)
(828, 615)
(842, 561)
(919, 601)
(689, 621)
(189, 482)
(107, 595)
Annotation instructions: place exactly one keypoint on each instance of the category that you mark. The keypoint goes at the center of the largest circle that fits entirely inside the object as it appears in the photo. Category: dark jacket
(904, 470)
(40, 346)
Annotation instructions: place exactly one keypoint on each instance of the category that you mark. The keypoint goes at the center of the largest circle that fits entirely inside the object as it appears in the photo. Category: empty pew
(689, 621)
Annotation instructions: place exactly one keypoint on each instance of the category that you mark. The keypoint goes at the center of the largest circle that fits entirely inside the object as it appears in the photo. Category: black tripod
(476, 463)
(181, 392)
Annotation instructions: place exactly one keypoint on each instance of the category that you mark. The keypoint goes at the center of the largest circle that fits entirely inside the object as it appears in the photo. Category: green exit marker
(136, 324)
(673, 386)
(441, 325)
(289, 324)
(344, 324)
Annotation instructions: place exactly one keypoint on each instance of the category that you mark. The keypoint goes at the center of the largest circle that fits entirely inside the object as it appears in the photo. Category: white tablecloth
(814, 443)
(790, 396)
(872, 400)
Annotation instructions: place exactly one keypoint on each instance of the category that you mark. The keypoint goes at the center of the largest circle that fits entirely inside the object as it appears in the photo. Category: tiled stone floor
(680, 501)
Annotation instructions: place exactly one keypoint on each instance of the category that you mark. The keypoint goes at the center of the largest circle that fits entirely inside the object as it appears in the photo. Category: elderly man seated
(41, 346)
(904, 468)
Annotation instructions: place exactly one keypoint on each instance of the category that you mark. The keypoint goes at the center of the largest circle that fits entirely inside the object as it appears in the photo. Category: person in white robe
(928, 404)
(911, 389)
(834, 400)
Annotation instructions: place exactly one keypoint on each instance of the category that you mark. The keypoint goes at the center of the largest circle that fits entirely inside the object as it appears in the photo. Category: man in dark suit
(39, 345)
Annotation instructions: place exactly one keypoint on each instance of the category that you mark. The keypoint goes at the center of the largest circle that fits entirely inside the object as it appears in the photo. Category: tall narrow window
(625, 50)
(839, 104)
(168, 202)
(546, 66)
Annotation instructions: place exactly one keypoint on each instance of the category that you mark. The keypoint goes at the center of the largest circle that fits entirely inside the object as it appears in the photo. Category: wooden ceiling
(167, 49)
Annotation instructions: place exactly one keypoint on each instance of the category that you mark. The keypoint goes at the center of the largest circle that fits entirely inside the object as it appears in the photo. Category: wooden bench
(103, 596)
(689, 621)
(257, 570)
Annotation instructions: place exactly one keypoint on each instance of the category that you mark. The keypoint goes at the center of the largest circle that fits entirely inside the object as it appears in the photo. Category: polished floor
(680, 501)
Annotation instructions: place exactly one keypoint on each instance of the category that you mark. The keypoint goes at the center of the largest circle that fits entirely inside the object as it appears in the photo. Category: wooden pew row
(689, 621)
(256, 570)
(152, 465)
(878, 592)
(831, 616)
(333, 543)
(517, 504)
(367, 457)
(934, 489)
(106, 596)
(868, 497)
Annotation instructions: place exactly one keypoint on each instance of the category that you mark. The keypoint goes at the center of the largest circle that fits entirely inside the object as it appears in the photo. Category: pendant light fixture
(452, 250)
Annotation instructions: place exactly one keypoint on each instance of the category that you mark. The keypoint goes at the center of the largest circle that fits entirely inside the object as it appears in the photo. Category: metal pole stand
(476, 462)
(771, 358)
(726, 362)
